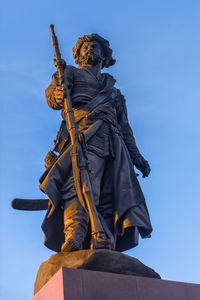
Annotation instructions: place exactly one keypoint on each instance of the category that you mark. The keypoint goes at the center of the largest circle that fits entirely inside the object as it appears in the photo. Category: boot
(76, 221)
(103, 240)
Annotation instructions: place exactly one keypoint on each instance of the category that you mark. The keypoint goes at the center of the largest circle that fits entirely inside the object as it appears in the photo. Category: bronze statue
(94, 197)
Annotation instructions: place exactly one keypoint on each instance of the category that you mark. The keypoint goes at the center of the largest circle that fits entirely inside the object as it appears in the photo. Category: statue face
(91, 53)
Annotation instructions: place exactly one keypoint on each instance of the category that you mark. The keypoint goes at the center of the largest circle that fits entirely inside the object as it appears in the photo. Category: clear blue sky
(157, 48)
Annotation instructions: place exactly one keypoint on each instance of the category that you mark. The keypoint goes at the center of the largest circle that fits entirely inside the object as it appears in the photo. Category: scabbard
(29, 204)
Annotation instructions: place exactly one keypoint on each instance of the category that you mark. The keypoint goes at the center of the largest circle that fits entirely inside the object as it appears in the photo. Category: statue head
(91, 50)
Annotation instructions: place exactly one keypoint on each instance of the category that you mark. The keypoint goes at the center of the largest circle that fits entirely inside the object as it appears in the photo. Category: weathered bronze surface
(95, 200)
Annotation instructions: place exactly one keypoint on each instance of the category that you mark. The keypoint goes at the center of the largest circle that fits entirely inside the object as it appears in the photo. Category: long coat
(105, 105)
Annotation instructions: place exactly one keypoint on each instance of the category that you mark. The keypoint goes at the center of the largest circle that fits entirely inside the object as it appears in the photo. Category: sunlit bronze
(94, 197)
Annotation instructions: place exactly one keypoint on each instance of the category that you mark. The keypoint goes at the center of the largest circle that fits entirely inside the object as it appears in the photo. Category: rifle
(79, 159)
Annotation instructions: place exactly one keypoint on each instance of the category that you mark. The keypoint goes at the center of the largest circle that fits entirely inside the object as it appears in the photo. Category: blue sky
(157, 48)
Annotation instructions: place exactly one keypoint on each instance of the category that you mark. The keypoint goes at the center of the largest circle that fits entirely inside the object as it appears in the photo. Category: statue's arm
(56, 103)
(128, 137)
(54, 93)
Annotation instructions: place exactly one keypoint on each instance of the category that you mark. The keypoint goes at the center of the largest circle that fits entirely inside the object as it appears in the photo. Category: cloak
(131, 216)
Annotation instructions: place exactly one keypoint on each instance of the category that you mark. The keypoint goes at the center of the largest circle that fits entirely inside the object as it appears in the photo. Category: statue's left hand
(142, 165)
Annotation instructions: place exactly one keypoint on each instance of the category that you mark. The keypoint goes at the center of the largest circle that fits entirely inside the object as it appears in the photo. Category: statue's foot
(100, 241)
(73, 240)
(70, 245)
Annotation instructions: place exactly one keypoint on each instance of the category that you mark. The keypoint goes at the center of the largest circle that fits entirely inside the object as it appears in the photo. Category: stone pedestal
(100, 260)
(75, 284)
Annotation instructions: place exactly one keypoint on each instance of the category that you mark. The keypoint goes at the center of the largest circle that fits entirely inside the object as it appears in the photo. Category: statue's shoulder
(69, 73)
(107, 76)
(69, 69)
(118, 97)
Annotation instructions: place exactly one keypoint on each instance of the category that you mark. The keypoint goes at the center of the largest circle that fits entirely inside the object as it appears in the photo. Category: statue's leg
(76, 221)
(106, 200)
(98, 167)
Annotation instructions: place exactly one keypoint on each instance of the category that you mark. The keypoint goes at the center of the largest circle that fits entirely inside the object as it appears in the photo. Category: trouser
(76, 218)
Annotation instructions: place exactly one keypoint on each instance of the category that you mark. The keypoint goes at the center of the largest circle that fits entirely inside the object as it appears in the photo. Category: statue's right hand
(62, 63)
(59, 94)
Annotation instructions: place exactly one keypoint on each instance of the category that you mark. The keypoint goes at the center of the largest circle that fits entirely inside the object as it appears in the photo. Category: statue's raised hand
(62, 63)
(59, 94)
(143, 166)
